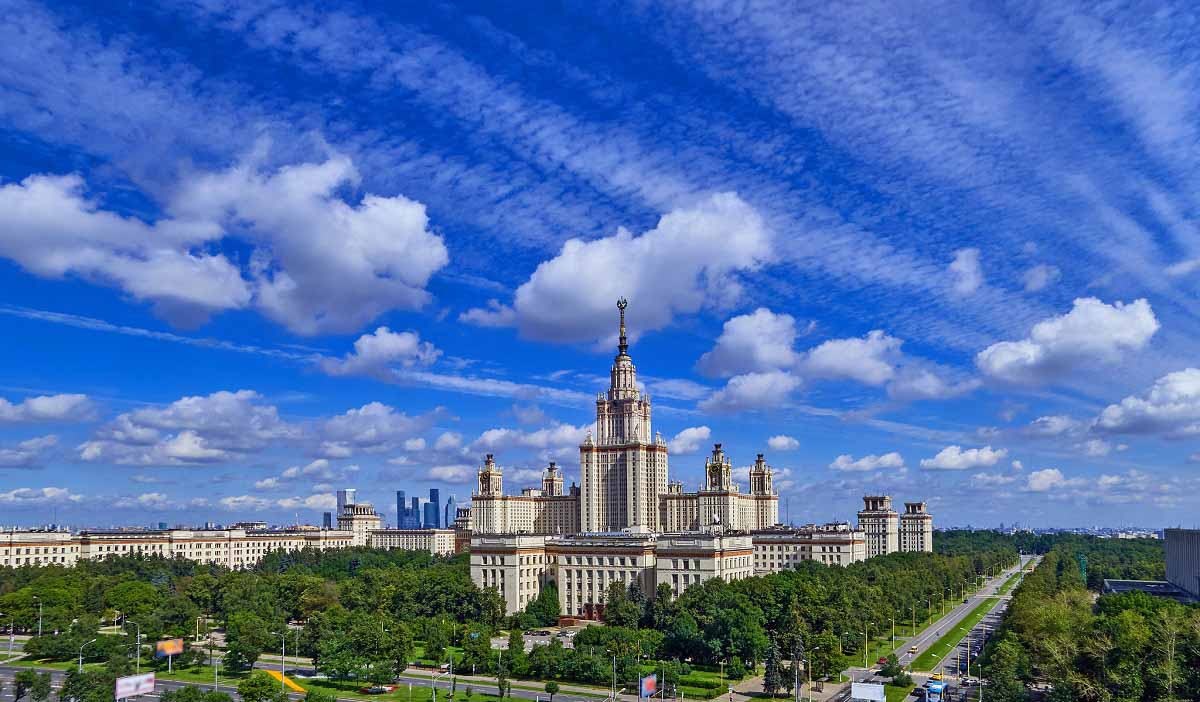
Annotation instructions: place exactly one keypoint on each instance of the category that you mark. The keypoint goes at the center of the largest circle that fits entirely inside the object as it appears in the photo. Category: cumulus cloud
(915, 381)
(38, 497)
(992, 479)
(690, 260)
(752, 391)
(1049, 479)
(372, 428)
(846, 462)
(965, 272)
(1054, 425)
(53, 230)
(782, 442)
(1095, 448)
(1040, 277)
(381, 349)
(456, 473)
(689, 440)
(48, 408)
(1171, 407)
(191, 430)
(496, 314)
(755, 342)
(1091, 332)
(448, 441)
(555, 436)
(321, 265)
(956, 458)
(869, 360)
(319, 470)
(29, 453)
(417, 444)
(318, 501)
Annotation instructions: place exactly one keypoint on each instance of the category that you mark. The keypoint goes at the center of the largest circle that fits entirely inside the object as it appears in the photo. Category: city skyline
(248, 264)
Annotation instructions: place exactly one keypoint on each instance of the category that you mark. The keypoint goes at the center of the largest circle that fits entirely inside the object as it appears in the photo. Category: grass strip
(943, 646)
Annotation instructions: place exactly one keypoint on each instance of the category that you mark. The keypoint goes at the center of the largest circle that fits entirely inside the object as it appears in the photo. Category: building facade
(916, 528)
(1183, 559)
(360, 520)
(439, 542)
(881, 525)
(720, 500)
(535, 511)
(782, 548)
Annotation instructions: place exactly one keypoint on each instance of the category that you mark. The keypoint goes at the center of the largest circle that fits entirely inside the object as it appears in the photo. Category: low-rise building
(439, 542)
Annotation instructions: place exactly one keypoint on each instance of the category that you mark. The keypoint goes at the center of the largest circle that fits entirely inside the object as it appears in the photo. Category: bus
(934, 690)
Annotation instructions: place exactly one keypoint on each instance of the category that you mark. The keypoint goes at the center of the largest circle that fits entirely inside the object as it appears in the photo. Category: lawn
(1008, 584)
(896, 693)
(940, 648)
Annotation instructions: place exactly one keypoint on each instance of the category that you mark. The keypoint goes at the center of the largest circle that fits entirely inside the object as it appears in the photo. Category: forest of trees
(363, 614)
(1094, 648)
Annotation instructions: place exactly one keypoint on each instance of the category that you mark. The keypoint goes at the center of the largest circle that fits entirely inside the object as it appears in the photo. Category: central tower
(623, 465)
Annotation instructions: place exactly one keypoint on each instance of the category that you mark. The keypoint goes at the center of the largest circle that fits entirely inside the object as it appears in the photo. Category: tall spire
(623, 344)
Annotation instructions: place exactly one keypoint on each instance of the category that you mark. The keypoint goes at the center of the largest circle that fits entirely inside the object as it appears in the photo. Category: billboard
(168, 647)
(132, 685)
(873, 692)
(649, 685)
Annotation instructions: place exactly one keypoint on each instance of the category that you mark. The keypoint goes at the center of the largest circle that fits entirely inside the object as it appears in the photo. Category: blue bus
(934, 690)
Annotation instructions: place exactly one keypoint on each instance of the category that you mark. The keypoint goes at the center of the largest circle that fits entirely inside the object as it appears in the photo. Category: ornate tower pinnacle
(623, 344)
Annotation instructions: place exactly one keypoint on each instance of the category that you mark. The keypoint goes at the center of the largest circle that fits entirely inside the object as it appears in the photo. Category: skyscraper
(327, 520)
(450, 512)
(414, 514)
(624, 467)
(344, 497)
(401, 512)
(433, 515)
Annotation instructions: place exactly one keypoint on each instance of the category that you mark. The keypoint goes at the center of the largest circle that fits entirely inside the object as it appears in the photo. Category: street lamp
(39, 601)
(81, 654)
(866, 629)
(893, 633)
(139, 645)
(283, 661)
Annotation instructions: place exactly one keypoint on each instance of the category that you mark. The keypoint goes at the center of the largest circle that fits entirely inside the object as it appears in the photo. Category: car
(912, 649)
(966, 600)
(565, 634)
(882, 661)
(970, 682)
(377, 689)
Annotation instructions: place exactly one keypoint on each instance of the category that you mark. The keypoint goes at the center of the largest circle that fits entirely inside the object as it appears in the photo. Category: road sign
(132, 685)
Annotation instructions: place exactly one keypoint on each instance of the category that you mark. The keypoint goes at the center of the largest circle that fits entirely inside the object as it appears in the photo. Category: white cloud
(965, 271)
(1040, 277)
(677, 389)
(29, 453)
(53, 230)
(760, 341)
(1095, 448)
(689, 440)
(913, 381)
(318, 501)
(448, 441)
(48, 408)
(496, 314)
(846, 462)
(244, 503)
(1171, 407)
(782, 442)
(321, 265)
(417, 444)
(955, 458)
(690, 260)
(869, 360)
(37, 497)
(373, 427)
(1091, 331)
(1049, 479)
(380, 349)
(191, 430)
(1018, 466)
(555, 436)
(991, 479)
(1183, 268)
(452, 473)
(752, 391)
(146, 500)
(1054, 425)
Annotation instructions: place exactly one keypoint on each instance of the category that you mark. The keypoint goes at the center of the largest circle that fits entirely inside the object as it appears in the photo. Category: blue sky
(252, 252)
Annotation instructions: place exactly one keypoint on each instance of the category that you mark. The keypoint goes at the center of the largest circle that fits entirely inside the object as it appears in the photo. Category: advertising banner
(649, 685)
(132, 685)
(169, 647)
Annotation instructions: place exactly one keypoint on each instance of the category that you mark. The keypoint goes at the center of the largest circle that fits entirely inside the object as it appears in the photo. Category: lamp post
(866, 629)
(893, 633)
(138, 661)
(283, 661)
(81, 654)
(39, 601)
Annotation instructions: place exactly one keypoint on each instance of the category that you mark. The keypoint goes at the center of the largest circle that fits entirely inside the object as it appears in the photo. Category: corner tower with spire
(624, 465)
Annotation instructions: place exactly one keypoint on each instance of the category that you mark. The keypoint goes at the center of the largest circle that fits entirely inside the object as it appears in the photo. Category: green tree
(40, 689)
(315, 695)
(544, 609)
(515, 660)
(552, 689)
(22, 683)
(259, 687)
(246, 637)
(736, 670)
(772, 676)
(892, 667)
(619, 609)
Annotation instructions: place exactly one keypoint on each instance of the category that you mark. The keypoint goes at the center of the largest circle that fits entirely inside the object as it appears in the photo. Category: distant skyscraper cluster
(431, 515)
